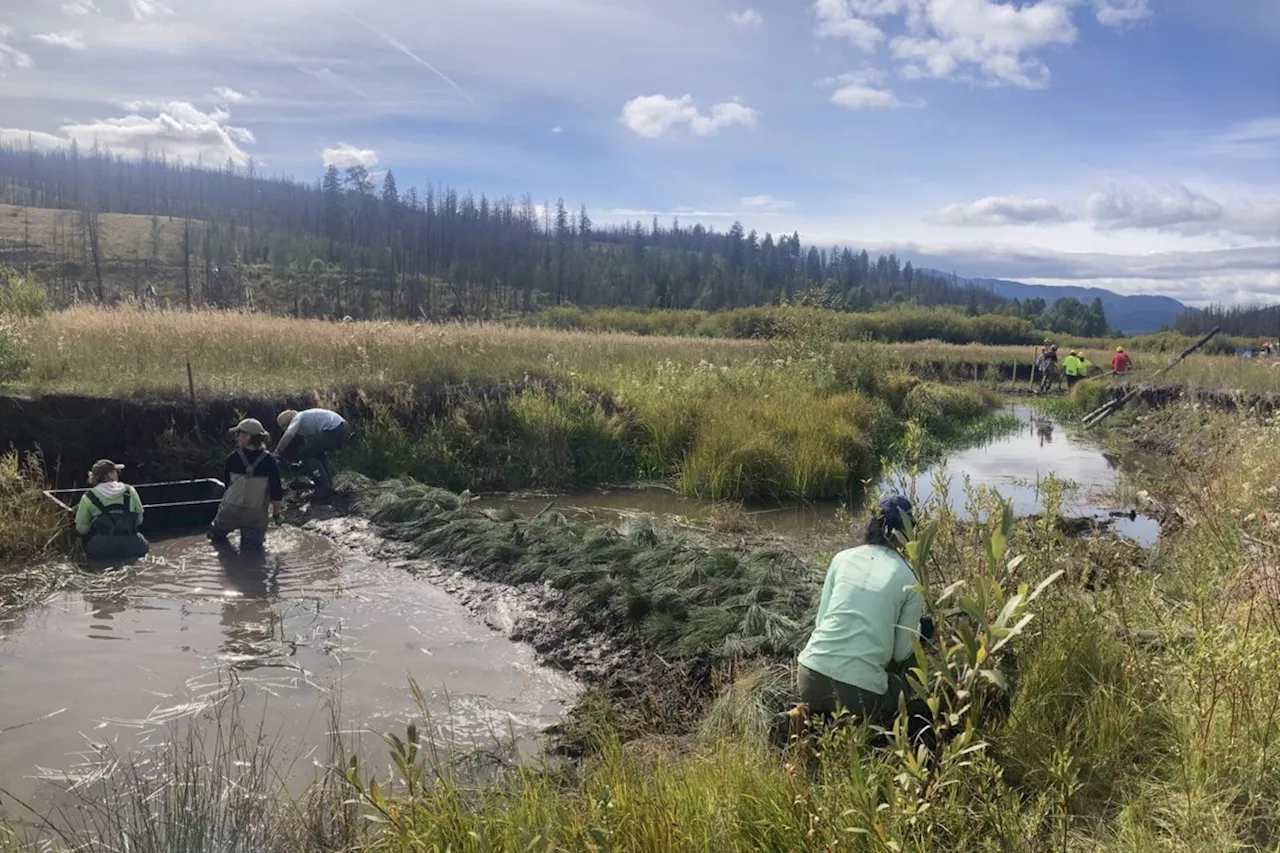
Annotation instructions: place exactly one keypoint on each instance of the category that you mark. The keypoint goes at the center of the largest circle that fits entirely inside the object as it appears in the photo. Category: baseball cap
(249, 426)
(103, 467)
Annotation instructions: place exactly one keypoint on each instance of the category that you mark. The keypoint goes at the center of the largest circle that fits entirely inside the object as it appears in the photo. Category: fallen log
(1112, 406)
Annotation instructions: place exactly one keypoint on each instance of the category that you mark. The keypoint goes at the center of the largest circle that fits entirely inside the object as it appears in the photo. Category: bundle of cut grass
(680, 598)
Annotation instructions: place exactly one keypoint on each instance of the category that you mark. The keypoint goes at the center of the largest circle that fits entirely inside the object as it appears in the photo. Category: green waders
(114, 534)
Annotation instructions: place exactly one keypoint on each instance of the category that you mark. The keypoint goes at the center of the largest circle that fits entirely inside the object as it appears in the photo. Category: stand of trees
(1255, 321)
(352, 245)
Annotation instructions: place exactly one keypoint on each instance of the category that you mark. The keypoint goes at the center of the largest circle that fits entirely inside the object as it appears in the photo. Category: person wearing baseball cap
(309, 437)
(254, 490)
(868, 617)
(109, 515)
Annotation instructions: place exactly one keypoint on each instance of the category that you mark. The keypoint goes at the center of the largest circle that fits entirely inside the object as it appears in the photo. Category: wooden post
(191, 386)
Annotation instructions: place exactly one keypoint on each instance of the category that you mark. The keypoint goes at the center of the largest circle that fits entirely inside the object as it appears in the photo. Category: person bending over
(310, 436)
(254, 491)
(109, 515)
(868, 616)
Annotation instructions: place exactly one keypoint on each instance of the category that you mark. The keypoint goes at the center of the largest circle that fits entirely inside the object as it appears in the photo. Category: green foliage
(21, 297)
(943, 410)
(15, 352)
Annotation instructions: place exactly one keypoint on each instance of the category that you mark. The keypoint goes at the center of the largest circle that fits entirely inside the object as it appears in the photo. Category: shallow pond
(1015, 463)
(165, 641)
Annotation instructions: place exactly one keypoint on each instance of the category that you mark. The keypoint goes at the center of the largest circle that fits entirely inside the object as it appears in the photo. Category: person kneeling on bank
(310, 436)
(868, 618)
(254, 491)
(109, 515)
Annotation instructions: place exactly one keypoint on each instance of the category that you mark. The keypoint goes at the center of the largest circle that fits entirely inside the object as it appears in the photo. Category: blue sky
(1133, 144)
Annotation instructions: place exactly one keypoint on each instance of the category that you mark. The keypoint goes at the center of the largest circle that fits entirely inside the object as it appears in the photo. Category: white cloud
(228, 95)
(557, 129)
(144, 9)
(10, 56)
(1001, 210)
(72, 40)
(837, 19)
(989, 41)
(764, 202)
(747, 18)
(1254, 139)
(863, 90)
(652, 116)
(344, 155)
(80, 7)
(34, 138)
(1118, 13)
(178, 130)
(1139, 207)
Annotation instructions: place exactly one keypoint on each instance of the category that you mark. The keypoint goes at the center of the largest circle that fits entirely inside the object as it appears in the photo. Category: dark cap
(896, 512)
(102, 468)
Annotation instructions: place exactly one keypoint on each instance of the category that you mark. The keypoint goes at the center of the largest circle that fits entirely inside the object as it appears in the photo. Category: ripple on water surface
(160, 643)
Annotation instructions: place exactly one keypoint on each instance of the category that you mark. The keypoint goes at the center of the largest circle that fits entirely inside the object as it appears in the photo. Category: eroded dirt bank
(169, 439)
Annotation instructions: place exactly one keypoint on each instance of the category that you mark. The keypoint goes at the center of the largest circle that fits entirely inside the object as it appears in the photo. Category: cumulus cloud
(72, 40)
(1173, 208)
(10, 56)
(747, 19)
(764, 202)
(989, 41)
(1118, 13)
(33, 138)
(863, 90)
(839, 19)
(178, 130)
(652, 116)
(228, 95)
(344, 155)
(1001, 210)
(144, 9)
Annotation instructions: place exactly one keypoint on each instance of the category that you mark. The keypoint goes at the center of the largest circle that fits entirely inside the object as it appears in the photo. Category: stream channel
(108, 671)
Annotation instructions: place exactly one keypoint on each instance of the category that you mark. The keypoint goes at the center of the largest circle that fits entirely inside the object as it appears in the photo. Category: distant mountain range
(1133, 315)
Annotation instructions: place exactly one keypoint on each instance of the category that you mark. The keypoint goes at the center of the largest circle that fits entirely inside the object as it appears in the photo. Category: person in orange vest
(1120, 362)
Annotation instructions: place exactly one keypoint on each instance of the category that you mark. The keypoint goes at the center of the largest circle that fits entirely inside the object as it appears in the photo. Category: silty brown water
(159, 644)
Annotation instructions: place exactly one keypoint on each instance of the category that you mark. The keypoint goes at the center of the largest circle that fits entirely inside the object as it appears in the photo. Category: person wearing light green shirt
(868, 619)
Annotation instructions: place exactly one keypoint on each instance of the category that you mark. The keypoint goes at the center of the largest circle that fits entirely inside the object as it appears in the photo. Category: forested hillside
(351, 246)
(1254, 321)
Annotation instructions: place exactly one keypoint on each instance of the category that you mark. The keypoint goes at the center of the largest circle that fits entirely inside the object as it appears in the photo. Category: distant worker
(868, 618)
(109, 515)
(1086, 366)
(1037, 367)
(310, 436)
(1049, 371)
(1266, 347)
(1120, 362)
(1071, 367)
(254, 491)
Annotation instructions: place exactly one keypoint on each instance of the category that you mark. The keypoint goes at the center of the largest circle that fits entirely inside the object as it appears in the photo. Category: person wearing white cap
(109, 515)
(310, 436)
(254, 490)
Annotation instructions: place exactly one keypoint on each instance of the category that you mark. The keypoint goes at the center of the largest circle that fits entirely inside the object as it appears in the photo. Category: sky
(1128, 144)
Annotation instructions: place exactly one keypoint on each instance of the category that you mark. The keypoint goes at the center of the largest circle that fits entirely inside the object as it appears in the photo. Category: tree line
(354, 244)
(1250, 321)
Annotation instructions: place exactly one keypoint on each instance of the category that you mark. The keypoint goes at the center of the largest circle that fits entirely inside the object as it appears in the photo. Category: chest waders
(113, 533)
(245, 504)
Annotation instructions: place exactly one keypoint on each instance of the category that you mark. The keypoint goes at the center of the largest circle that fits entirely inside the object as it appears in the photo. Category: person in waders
(254, 491)
(109, 515)
(309, 437)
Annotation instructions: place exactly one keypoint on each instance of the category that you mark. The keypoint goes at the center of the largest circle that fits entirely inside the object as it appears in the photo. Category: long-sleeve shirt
(868, 617)
(266, 468)
(1120, 362)
(111, 492)
(306, 424)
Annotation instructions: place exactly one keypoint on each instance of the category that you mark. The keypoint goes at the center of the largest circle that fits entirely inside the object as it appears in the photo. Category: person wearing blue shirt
(310, 436)
(868, 618)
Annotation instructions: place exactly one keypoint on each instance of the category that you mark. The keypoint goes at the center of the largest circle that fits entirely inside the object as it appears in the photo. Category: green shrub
(20, 297)
(940, 409)
(15, 353)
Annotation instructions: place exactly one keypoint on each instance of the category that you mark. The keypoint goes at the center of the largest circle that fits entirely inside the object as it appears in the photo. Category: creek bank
(167, 439)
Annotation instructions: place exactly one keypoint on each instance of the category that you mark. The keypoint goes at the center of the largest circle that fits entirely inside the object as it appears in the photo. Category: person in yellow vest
(1071, 367)
(1086, 366)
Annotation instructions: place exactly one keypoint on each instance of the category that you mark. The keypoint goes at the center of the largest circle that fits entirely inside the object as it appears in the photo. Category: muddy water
(166, 641)
(1016, 464)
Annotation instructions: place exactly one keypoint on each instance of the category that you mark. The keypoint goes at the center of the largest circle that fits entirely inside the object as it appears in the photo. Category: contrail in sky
(409, 53)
